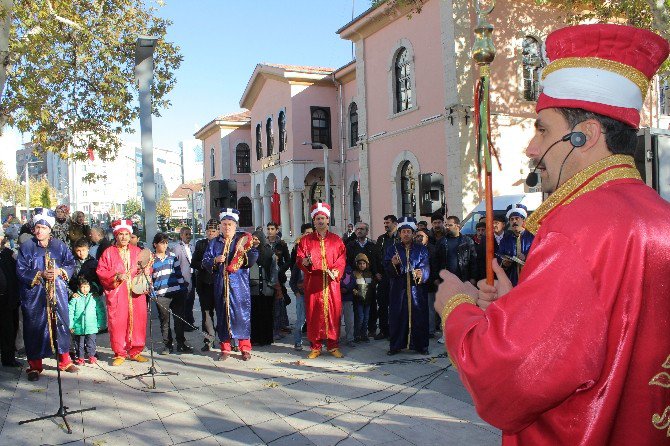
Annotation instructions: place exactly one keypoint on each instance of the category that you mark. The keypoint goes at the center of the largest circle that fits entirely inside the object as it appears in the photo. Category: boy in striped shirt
(170, 289)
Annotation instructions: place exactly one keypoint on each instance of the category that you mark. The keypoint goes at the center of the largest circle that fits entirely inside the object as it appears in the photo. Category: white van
(531, 200)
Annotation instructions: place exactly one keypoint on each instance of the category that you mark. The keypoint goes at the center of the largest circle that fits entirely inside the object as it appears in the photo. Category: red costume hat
(320, 208)
(601, 68)
(122, 225)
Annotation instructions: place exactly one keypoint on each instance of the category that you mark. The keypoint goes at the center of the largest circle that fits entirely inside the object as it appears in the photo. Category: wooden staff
(483, 52)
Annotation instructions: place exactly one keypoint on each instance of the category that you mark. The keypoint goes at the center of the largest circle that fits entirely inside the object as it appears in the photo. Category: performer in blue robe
(35, 284)
(229, 256)
(516, 243)
(407, 265)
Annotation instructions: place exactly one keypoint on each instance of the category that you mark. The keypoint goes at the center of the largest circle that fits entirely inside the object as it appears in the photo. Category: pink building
(397, 119)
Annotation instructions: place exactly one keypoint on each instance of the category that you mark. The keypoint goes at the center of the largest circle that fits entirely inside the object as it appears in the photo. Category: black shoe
(423, 352)
(304, 328)
(392, 352)
(379, 336)
(33, 375)
(184, 348)
(235, 348)
(205, 348)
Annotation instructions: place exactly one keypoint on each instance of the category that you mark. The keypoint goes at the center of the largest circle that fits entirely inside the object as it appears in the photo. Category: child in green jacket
(84, 322)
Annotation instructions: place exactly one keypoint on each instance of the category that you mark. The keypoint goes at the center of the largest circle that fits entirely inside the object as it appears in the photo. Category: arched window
(269, 137)
(212, 161)
(407, 190)
(244, 206)
(243, 158)
(282, 131)
(259, 143)
(403, 81)
(355, 202)
(532, 64)
(353, 124)
(321, 125)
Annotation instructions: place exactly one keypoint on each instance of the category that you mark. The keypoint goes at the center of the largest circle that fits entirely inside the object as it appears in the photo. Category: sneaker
(205, 348)
(92, 360)
(297, 347)
(33, 375)
(314, 354)
(184, 348)
(441, 340)
(79, 361)
(166, 350)
(139, 358)
(70, 368)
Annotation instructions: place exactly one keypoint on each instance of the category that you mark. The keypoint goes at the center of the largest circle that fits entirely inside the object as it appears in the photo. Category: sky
(221, 42)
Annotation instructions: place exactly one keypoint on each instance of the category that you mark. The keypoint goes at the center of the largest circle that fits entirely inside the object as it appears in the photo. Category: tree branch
(62, 19)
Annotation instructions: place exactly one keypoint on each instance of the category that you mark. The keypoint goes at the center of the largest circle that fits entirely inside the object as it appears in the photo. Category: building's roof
(302, 68)
(182, 192)
(240, 116)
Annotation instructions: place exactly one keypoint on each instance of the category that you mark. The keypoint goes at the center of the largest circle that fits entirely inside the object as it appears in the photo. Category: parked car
(531, 200)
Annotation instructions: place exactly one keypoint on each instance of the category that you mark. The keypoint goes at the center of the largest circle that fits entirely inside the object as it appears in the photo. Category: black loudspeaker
(431, 193)
(222, 194)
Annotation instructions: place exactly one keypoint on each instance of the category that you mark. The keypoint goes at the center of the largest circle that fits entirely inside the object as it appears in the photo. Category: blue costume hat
(229, 214)
(406, 222)
(517, 210)
(44, 216)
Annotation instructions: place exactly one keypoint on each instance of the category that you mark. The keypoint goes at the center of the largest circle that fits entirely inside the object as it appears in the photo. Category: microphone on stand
(577, 139)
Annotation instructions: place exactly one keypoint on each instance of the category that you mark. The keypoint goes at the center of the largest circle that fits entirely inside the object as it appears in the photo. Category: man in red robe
(126, 311)
(578, 352)
(322, 257)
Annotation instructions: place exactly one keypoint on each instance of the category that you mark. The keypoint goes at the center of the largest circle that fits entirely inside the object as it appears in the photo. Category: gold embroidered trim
(226, 285)
(632, 74)
(326, 289)
(661, 421)
(614, 167)
(409, 297)
(37, 280)
(453, 302)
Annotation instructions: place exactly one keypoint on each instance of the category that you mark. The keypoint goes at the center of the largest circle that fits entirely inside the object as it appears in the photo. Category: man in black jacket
(380, 312)
(457, 253)
(9, 305)
(204, 282)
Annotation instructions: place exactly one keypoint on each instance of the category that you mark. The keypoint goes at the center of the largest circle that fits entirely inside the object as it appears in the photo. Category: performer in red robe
(579, 353)
(126, 311)
(322, 257)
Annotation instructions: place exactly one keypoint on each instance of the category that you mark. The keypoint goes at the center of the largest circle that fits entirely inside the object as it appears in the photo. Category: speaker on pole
(222, 194)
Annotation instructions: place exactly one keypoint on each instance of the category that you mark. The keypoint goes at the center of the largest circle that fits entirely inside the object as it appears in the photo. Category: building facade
(402, 110)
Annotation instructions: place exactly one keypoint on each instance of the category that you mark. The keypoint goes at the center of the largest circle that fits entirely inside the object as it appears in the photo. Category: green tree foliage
(69, 67)
(41, 194)
(45, 198)
(394, 6)
(163, 206)
(132, 207)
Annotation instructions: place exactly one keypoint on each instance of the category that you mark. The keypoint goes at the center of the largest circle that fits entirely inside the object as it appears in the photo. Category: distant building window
(270, 138)
(244, 206)
(403, 81)
(321, 125)
(243, 158)
(407, 190)
(212, 162)
(532, 65)
(259, 143)
(282, 131)
(355, 202)
(353, 124)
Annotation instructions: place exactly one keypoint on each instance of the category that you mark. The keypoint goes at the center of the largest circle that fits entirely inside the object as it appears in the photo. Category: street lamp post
(192, 207)
(144, 72)
(326, 178)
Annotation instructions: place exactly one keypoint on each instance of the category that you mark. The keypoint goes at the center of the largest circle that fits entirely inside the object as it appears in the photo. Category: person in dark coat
(204, 283)
(262, 306)
(9, 306)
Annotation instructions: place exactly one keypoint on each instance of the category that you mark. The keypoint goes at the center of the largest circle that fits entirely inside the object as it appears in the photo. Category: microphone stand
(152, 368)
(63, 411)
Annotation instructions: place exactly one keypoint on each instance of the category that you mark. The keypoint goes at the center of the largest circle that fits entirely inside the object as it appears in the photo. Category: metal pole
(144, 72)
(326, 178)
(193, 212)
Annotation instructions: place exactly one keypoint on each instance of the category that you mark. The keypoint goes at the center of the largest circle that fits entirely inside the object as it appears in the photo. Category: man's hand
(450, 287)
(488, 293)
(395, 259)
(50, 274)
(220, 259)
(418, 275)
(521, 257)
(307, 261)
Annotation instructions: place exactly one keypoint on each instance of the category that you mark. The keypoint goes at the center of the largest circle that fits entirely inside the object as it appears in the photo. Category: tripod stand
(152, 368)
(63, 411)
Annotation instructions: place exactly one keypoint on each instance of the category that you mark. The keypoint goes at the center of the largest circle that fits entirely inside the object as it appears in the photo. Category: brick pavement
(276, 398)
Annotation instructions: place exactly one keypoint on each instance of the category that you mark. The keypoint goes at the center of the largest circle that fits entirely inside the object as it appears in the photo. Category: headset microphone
(577, 139)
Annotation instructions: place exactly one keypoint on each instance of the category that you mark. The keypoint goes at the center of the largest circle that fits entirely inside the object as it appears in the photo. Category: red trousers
(244, 344)
(64, 361)
(331, 344)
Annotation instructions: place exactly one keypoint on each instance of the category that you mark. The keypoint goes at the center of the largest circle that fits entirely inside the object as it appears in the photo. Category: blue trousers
(362, 318)
(84, 345)
(299, 319)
